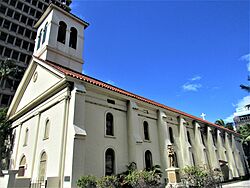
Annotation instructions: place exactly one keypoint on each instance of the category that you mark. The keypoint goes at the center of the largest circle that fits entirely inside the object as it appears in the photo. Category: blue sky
(189, 55)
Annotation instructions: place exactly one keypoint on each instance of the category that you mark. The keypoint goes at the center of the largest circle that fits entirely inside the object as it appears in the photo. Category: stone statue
(171, 156)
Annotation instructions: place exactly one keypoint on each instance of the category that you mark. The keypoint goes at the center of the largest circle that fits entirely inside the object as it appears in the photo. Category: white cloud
(247, 59)
(241, 103)
(191, 87)
(192, 84)
(110, 82)
(229, 119)
(195, 78)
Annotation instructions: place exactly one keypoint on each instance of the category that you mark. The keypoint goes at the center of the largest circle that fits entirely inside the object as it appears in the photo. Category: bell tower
(60, 37)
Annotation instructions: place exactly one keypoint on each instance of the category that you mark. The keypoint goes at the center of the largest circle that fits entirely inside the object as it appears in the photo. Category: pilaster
(220, 146)
(213, 158)
(78, 101)
(77, 135)
(238, 161)
(198, 145)
(243, 157)
(184, 145)
(163, 138)
(231, 160)
(134, 137)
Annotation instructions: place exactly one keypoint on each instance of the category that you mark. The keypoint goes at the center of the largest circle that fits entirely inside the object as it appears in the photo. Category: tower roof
(51, 7)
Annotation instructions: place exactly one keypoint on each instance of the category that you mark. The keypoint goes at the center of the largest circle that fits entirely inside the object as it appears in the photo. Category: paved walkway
(238, 184)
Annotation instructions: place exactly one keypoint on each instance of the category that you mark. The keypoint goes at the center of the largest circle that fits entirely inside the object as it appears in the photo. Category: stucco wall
(97, 143)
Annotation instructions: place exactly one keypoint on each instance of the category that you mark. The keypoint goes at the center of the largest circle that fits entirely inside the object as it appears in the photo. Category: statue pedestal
(173, 176)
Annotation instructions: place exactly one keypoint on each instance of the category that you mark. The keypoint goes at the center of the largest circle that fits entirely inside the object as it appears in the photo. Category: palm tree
(220, 122)
(229, 126)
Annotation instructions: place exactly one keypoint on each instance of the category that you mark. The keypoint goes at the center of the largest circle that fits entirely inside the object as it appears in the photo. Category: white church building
(67, 124)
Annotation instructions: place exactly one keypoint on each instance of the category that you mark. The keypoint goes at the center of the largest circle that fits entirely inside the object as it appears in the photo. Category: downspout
(64, 137)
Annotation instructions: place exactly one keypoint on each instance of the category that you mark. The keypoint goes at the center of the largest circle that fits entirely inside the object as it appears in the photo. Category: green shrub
(142, 179)
(197, 176)
(87, 181)
(108, 182)
(132, 178)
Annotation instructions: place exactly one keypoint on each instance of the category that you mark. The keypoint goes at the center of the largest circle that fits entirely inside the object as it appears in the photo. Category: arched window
(61, 35)
(39, 39)
(26, 137)
(46, 129)
(148, 160)
(146, 131)
(189, 139)
(44, 32)
(109, 162)
(21, 171)
(42, 167)
(171, 135)
(109, 124)
(73, 38)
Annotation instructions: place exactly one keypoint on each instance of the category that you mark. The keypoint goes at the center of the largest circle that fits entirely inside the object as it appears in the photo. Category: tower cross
(203, 115)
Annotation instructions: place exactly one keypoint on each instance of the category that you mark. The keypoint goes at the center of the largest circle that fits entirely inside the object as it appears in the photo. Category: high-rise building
(242, 116)
(17, 37)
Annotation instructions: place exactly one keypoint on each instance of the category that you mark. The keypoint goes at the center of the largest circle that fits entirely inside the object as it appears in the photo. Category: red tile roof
(102, 84)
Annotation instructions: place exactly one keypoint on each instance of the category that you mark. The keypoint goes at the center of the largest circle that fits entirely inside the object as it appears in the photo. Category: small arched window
(39, 39)
(61, 35)
(189, 139)
(109, 124)
(148, 160)
(46, 129)
(146, 130)
(73, 38)
(42, 167)
(44, 32)
(109, 162)
(22, 165)
(171, 135)
(26, 137)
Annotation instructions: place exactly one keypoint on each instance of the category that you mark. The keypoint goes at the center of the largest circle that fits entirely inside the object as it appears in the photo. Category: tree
(220, 122)
(229, 126)
(244, 131)
(10, 71)
(5, 133)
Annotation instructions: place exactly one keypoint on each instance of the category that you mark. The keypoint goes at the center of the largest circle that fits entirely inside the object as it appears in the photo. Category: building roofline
(94, 81)
(53, 6)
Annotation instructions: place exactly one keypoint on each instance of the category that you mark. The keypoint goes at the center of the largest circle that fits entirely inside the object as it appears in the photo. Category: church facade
(66, 124)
